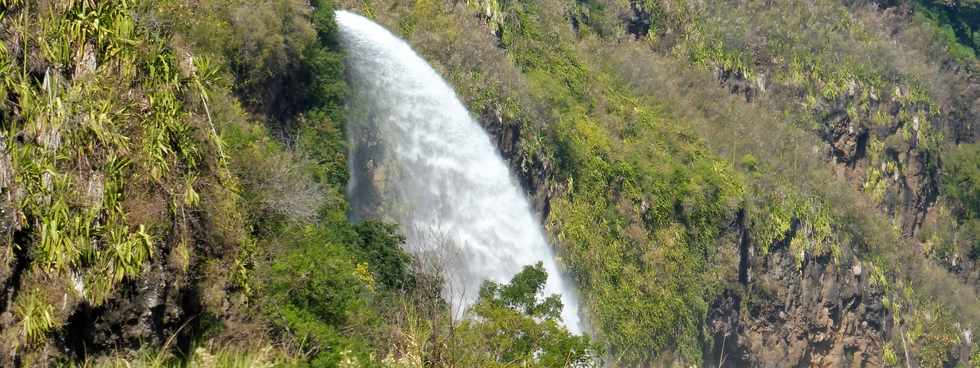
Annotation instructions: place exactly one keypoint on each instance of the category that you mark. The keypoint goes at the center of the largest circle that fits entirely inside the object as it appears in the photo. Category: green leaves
(961, 179)
(379, 245)
(961, 187)
(36, 316)
(515, 327)
(522, 294)
(316, 289)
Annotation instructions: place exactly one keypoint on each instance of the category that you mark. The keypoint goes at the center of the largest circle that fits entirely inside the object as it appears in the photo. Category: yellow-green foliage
(933, 335)
(642, 204)
(36, 316)
(888, 356)
(805, 222)
(99, 132)
(827, 55)
(253, 355)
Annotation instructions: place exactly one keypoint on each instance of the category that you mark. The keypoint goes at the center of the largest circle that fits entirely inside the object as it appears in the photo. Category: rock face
(534, 174)
(144, 310)
(152, 311)
(911, 184)
(848, 142)
(823, 314)
(12, 263)
(774, 315)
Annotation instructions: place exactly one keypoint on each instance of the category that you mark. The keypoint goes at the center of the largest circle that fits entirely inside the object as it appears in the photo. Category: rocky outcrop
(848, 142)
(147, 311)
(772, 314)
(12, 263)
(908, 171)
(9, 262)
(823, 314)
(535, 174)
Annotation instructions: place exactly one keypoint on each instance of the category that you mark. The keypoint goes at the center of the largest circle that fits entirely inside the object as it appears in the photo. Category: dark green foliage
(322, 139)
(325, 64)
(516, 327)
(961, 184)
(379, 244)
(957, 21)
(961, 179)
(326, 25)
(318, 277)
(522, 294)
(317, 290)
(326, 90)
(267, 55)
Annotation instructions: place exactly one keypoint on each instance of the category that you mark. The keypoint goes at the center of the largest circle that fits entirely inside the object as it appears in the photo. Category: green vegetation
(94, 194)
(958, 23)
(637, 220)
(961, 180)
(642, 148)
(522, 329)
(192, 154)
(199, 145)
(961, 184)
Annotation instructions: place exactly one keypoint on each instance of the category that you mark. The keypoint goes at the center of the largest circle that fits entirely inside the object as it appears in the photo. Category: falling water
(419, 158)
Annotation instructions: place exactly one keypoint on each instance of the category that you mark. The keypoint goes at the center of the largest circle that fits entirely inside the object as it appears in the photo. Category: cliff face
(817, 320)
(124, 216)
(771, 313)
(880, 89)
(824, 313)
(797, 223)
(535, 174)
(903, 178)
(790, 307)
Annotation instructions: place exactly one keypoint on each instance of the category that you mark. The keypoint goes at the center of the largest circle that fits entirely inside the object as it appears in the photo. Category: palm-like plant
(37, 316)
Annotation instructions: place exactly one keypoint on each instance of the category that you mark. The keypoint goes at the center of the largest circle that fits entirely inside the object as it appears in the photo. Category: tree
(513, 326)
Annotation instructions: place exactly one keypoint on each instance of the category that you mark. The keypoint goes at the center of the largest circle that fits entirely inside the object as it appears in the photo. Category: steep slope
(878, 88)
(568, 93)
(97, 207)
(729, 183)
(143, 200)
(174, 178)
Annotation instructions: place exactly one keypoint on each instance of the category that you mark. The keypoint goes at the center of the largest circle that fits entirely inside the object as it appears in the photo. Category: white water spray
(435, 172)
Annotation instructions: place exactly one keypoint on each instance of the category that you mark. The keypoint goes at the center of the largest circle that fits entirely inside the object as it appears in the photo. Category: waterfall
(420, 159)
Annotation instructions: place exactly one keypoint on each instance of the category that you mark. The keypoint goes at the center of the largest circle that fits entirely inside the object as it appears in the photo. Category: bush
(961, 180)
(961, 186)
(317, 290)
(514, 324)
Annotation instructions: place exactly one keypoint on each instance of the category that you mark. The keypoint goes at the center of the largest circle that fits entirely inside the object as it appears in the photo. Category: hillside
(727, 183)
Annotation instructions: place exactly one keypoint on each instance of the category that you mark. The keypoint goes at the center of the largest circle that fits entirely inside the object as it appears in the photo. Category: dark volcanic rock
(534, 174)
(824, 314)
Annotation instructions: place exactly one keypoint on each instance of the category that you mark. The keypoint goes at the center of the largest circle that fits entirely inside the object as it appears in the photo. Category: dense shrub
(514, 324)
(957, 22)
(961, 179)
(961, 184)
